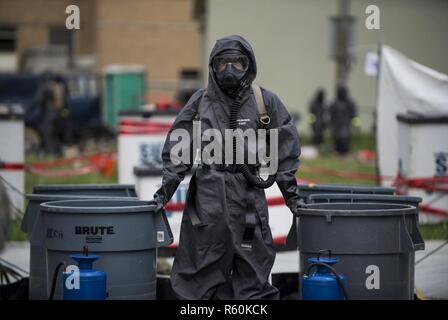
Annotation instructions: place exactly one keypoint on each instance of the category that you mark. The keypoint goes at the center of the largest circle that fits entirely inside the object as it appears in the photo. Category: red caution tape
(280, 241)
(11, 166)
(102, 162)
(143, 123)
(143, 127)
(434, 211)
(439, 183)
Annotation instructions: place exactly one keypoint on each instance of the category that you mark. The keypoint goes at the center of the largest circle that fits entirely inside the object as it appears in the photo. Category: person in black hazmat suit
(317, 111)
(52, 99)
(226, 249)
(342, 111)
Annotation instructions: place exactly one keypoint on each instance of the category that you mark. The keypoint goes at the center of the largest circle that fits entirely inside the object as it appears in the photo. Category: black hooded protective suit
(318, 109)
(342, 111)
(210, 261)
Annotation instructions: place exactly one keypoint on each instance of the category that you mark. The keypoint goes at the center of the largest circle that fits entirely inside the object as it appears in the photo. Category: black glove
(296, 205)
(159, 206)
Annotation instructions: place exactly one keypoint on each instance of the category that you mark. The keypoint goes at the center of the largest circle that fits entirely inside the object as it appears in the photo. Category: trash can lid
(50, 187)
(98, 206)
(357, 209)
(56, 197)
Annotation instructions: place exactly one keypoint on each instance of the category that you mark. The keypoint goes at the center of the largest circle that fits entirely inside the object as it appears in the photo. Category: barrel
(307, 191)
(125, 233)
(32, 224)
(375, 242)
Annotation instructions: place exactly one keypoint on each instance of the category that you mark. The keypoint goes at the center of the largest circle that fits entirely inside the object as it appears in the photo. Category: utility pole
(343, 33)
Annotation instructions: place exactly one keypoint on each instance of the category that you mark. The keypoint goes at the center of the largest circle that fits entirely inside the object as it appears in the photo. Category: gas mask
(230, 69)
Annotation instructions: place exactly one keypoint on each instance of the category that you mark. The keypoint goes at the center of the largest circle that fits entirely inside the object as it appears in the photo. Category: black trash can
(125, 233)
(375, 242)
(32, 224)
(308, 190)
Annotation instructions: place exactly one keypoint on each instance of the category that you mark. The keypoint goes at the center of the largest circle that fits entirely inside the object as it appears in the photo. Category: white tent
(404, 85)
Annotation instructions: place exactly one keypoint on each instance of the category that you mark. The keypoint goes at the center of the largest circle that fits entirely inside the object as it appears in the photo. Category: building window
(7, 39)
(60, 36)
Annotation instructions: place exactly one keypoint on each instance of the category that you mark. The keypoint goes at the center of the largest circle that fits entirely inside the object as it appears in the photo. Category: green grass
(334, 162)
(434, 231)
(15, 234)
(359, 141)
(329, 160)
(32, 180)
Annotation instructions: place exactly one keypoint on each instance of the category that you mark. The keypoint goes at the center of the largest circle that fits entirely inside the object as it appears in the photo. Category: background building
(172, 39)
(291, 39)
(28, 24)
(161, 35)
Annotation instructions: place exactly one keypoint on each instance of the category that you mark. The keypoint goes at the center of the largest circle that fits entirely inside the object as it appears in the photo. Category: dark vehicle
(59, 109)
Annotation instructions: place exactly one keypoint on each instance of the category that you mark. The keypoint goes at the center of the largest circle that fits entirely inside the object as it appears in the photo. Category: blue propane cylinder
(92, 283)
(325, 283)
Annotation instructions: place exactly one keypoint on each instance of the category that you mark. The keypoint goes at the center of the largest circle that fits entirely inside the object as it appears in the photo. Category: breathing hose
(334, 272)
(243, 168)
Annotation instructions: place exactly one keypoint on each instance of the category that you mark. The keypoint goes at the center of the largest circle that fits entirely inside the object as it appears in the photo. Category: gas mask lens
(239, 62)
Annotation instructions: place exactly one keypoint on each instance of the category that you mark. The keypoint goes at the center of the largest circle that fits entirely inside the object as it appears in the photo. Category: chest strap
(263, 115)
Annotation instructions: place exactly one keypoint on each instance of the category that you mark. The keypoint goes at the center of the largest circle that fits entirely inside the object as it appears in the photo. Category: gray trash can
(32, 224)
(375, 242)
(125, 233)
(308, 190)
(109, 190)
